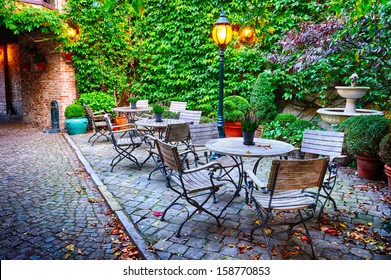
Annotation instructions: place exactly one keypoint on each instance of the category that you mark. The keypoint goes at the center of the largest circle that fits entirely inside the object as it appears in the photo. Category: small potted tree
(133, 101)
(262, 101)
(362, 139)
(249, 126)
(158, 111)
(235, 107)
(385, 156)
(76, 121)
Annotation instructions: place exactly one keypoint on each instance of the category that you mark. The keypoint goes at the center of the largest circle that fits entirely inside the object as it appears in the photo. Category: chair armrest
(337, 157)
(209, 165)
(256, 180)
(123, 131)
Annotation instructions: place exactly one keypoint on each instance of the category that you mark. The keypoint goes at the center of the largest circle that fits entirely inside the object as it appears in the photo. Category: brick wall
(40, 88)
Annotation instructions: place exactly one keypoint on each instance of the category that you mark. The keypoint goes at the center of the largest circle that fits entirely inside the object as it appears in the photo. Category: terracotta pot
(369, 168)
(233, 129)
(119, 120)
(387, 170)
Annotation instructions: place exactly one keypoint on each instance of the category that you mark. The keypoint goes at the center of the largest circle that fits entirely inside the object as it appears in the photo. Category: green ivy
(162, 50)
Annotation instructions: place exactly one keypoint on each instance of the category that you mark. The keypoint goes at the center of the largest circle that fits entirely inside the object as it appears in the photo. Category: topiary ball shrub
(363, 134)
(235, 107)
(385, 149)
(74, 111)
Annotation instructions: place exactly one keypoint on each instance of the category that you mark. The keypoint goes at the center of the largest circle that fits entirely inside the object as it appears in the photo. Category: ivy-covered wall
(162, 50)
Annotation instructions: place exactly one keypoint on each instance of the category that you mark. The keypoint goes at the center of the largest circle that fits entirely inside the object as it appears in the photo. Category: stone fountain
(352, 94)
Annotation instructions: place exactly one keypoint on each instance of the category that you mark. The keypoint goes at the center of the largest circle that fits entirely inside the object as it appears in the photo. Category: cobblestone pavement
(50, 207)
(359, 230)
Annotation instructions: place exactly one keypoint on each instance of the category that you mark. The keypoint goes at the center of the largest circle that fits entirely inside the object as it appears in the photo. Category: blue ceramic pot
(76, 125)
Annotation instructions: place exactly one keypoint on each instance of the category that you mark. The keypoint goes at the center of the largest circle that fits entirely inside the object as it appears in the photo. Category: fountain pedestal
(352, 94)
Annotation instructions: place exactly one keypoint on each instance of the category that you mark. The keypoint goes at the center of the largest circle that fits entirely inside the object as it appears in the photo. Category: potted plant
(39, 60)
(76, 121)
(235, 107)
(262, 101)
(385, 156)
(249, 126)
(362, 139)
(133, 101)
(158, 111)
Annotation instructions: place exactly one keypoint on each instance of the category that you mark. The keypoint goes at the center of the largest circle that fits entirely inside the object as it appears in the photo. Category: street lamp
(222, 35)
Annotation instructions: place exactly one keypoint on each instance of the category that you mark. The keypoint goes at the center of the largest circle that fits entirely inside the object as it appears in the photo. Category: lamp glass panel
(222, 34)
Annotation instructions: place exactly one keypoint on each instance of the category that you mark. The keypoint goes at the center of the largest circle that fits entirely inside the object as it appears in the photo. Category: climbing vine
(162, 50)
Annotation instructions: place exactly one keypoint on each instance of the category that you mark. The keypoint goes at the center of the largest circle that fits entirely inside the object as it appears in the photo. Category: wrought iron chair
(285, 191)
(326, 144)
(189, 184)
(179, 136)
(125, 139)
(98, 124)
(190, 116)
(202, 133)
(177, 106)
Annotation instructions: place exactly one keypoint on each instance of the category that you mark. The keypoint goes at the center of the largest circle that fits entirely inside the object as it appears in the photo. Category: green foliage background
(162, 50)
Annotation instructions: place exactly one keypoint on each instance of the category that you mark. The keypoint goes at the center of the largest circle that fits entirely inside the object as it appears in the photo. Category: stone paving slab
(49, 206)
(356, 231)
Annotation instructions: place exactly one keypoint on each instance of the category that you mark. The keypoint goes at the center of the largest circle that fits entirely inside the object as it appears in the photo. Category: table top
(153, 123)
(234, 146)
(128, 109)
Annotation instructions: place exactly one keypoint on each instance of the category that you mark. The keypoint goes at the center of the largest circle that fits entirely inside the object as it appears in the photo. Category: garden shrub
(98, 101)
(285, 119)
(287, 127)
(363, 134)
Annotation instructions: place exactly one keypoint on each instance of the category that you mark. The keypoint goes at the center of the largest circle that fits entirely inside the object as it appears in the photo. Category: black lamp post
(222, 35)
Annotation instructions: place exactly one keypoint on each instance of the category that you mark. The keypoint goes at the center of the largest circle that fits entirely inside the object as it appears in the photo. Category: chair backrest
(297, 174)
(177, 106)
(142, 103)
(202, 133)
(326, 143)
(190, 116)
(177, 132)
(107, 119)
(169, 156)
(89, 112)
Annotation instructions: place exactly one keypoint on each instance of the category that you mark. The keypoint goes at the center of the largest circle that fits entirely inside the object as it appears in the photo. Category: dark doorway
(6, 37)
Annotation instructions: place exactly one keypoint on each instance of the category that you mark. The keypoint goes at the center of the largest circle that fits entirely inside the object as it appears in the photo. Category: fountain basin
(338, 115)
(352, 92)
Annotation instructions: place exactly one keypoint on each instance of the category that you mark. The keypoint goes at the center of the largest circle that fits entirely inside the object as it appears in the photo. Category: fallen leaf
(305, 239)
(157, 214)
(79, 252)
(70, 247)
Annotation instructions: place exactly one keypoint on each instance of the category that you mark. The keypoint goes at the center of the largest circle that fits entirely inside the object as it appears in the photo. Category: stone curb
(126, 222)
